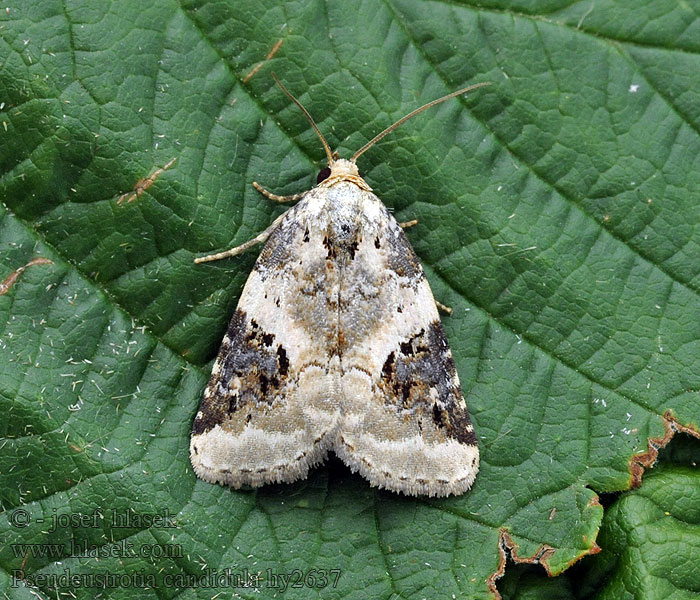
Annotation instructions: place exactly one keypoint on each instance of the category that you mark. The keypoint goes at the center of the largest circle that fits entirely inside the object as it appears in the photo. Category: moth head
(346, 168)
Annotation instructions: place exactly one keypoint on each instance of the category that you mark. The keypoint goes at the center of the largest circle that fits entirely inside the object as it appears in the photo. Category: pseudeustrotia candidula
(336, 344)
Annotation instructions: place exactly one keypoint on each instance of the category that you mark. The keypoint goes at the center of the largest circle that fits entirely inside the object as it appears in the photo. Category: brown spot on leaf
(12, 277)
(144, 183)
(268, 56)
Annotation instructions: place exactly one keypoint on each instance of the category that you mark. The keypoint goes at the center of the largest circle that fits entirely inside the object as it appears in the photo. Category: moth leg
(443, 307)
(275, 197)
(258, 239)
(407, 224)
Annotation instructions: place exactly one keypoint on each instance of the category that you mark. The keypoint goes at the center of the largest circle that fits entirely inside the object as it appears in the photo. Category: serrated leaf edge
(638, 463)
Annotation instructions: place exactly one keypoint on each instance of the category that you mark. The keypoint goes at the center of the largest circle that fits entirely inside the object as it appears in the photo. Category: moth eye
(323, 174)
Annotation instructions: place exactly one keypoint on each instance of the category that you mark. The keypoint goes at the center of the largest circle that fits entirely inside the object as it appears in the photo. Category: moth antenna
(413, 113)
(329, 154)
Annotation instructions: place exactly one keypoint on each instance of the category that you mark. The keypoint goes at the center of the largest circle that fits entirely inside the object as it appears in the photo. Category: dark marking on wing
(256, 360)
(280, 247)
(331, 248)
(400, 255)
(420, 376)
(342, 249)
(282, 360)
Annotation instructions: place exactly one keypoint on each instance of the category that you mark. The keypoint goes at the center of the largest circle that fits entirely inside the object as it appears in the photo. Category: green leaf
(558, 215)
(651, 540)
(641, 537)
(525, 583)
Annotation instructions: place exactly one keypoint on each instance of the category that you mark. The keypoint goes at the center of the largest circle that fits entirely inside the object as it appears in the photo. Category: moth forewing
(336, 345)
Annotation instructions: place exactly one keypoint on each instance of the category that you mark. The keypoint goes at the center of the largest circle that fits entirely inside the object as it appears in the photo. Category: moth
(336, 345)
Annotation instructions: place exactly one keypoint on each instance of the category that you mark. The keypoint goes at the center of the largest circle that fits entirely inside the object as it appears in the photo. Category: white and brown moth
(336, 345)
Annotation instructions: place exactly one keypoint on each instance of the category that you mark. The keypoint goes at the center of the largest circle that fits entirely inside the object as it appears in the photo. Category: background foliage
(558, 215)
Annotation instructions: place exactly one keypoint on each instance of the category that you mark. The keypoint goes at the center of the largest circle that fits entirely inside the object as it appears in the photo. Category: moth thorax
(344, 170)
(342, 167)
